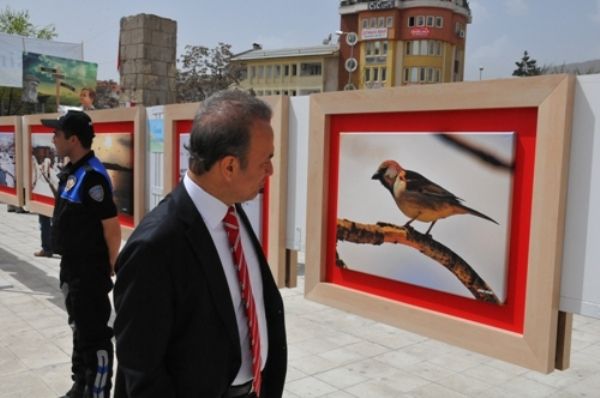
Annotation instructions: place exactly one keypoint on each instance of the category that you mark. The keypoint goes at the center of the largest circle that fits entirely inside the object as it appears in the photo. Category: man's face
(248, 182)
(61, 143)
(85, 99)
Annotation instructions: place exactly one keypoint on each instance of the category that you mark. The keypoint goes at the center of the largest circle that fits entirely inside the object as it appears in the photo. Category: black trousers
(86, 287)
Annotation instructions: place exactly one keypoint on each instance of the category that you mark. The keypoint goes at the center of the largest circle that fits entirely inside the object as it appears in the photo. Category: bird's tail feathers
(478, 214)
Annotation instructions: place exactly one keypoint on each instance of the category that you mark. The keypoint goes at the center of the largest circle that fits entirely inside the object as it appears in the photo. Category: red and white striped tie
(233, 234)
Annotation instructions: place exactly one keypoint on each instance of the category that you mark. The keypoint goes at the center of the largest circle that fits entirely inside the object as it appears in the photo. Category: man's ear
(228, 166)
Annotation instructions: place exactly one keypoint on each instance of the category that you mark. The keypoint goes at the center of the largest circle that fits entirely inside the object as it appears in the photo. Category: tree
(18, 23)
(204, 71)
(527, 67)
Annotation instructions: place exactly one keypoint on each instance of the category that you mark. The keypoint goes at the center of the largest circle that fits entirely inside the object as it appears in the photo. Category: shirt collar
(210, 208)
(74, 166)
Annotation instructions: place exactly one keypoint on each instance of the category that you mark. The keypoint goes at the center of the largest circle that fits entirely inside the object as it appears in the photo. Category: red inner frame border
(4, 188)
(522, 121)
(99, 127)
(185, 126)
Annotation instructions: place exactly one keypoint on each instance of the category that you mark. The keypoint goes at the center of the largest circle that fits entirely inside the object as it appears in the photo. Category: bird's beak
(376, 176)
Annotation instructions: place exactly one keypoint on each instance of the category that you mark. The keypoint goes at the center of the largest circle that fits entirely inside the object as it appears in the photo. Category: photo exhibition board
(115, 144)
(268, 211)
(490, 267)
(11, 182)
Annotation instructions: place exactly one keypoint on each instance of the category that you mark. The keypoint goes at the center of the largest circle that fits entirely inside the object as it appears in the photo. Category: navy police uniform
(84, 200)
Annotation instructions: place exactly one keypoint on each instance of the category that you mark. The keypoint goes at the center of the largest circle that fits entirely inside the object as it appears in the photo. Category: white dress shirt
(212, 211)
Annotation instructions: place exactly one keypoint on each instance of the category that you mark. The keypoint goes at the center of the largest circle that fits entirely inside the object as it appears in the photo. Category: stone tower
(147, 59)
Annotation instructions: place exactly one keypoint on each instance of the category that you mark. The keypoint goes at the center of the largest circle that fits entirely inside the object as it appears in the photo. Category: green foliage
(204, 71)
(17, 23)
(527, 67)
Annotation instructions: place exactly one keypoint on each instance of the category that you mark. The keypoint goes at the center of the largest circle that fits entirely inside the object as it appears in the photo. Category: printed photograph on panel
(7, 160)
(115, 150)
(45, 165)
(428, 192)
(50, 76)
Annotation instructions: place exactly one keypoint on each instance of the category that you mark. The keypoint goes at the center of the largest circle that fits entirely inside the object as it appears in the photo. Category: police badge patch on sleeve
(97, 193)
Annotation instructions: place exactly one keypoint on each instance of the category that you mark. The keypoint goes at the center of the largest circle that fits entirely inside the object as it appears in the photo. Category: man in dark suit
(198, 312)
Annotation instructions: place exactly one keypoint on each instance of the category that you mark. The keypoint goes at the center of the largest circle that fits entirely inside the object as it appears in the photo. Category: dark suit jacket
(175, 328)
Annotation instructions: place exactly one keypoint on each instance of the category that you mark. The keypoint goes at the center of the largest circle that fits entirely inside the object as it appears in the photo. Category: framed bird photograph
(440, 209)
(267, 211)
(11, 180)
(461, 183)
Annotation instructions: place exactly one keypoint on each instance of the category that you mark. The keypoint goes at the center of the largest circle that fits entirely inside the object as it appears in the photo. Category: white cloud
(479, 11)
(492, 57)
(517, 8)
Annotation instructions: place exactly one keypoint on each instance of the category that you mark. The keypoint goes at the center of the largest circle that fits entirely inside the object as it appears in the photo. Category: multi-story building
(293, 71)
(388, 43)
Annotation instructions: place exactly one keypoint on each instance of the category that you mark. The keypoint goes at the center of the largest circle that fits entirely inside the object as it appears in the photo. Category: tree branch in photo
(380, 233)
(482, 154)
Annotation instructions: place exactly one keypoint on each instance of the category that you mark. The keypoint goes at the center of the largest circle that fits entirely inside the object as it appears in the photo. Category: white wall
(297, 172)
(580, 288)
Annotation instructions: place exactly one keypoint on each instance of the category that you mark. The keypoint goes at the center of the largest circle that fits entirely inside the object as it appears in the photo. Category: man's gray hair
(222, 128)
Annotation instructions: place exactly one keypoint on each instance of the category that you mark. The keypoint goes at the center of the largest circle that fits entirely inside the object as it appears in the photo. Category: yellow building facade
(295, 71)
(397, 42)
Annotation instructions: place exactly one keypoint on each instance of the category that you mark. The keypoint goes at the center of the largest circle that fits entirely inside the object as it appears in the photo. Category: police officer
(87, 234)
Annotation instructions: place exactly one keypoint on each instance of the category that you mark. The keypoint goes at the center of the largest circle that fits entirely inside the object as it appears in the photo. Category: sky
(552, 31)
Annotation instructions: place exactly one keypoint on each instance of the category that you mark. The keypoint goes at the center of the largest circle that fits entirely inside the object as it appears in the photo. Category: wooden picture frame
(128, 120)
(14, 195)
(526, 330)
(276, 194)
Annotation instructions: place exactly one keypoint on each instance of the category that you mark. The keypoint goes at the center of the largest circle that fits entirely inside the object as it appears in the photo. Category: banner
(54, 76)
(11, 55)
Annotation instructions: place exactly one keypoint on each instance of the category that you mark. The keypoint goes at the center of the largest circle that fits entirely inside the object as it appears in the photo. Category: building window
(439, 22)
(421, 75)
(277, 70)
(375, 74)
(373, 22)
(294, 69)
(310, 69)
(365, 23)
(381, 22)
(420, 20)
(260, 72)
(367, 74)
(389, 22)
(252, 72)
(293, 93)
(286, 70)
(411, 22)
(383, 73)
(430, 21)
(424, 47)
(268, 71)
(384, 50)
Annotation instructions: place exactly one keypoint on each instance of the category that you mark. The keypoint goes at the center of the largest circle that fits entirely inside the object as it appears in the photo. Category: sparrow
(418, 198)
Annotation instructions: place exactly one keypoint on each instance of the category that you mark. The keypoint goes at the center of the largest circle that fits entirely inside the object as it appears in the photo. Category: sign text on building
(381, 4)
(420, 31)
(373, 33)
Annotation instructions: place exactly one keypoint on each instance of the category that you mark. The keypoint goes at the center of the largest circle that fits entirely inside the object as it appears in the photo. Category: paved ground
(331, 353)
